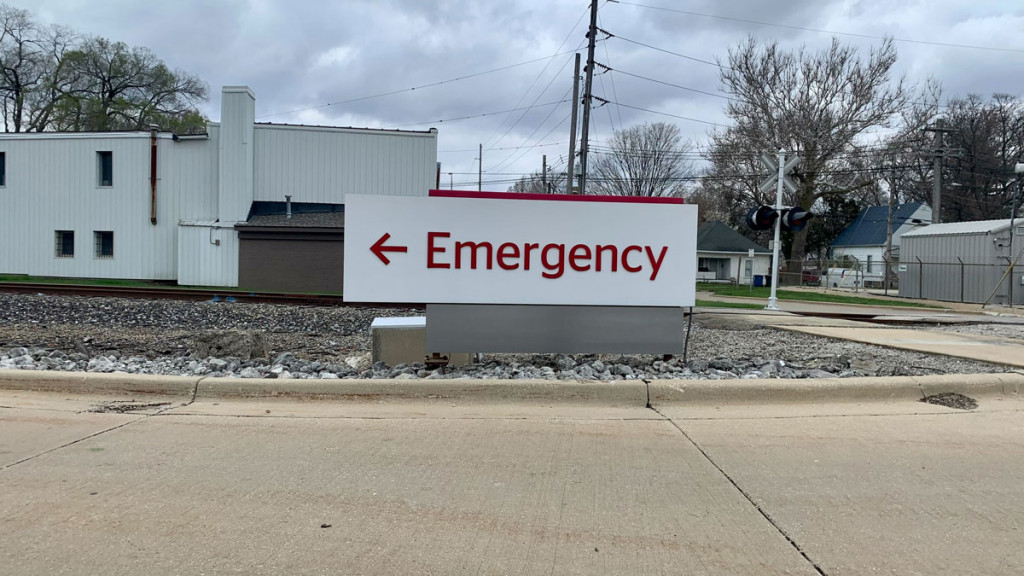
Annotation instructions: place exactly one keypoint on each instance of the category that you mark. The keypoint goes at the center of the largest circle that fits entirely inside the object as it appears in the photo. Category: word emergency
(552, 258)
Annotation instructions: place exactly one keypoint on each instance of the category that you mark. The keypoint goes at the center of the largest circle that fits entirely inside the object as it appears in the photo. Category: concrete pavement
(279, 485)
(995, 350)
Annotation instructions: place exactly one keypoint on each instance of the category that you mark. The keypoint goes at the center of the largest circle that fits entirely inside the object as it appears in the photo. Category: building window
(3, 169)
(104, 242)
(65, 244)
(105, 168)
(869, 264)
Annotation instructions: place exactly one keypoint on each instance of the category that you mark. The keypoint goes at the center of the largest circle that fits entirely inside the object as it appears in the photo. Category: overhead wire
(490, 145)
(430, 85)
(472, 116)
(823, 31)
(608, 61)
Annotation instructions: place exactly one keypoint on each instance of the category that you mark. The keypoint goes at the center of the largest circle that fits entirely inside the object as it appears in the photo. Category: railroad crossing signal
(772, 165)
(764, 217)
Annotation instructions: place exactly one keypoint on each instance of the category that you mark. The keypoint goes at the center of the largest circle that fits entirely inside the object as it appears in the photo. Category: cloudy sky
(499, 73)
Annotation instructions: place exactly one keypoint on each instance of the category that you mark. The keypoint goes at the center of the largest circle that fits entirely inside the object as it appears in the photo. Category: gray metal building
(964, 262)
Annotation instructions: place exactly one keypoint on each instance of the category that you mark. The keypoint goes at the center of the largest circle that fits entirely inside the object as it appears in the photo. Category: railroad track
(174, 293)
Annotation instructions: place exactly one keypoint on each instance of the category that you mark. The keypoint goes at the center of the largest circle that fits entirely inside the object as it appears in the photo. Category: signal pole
(773, 304)
(587, 96)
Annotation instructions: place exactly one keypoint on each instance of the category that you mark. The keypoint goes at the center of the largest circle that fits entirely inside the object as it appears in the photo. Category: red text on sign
(552, 259)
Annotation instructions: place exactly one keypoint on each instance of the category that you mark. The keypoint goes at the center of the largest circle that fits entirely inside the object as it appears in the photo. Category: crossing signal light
(796, 219)
(762, 218)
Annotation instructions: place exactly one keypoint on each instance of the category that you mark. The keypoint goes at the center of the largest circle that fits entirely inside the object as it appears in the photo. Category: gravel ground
(162, 337)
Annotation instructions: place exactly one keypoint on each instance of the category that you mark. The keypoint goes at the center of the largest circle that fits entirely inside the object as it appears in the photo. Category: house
(964, 262)
(864, 240)
(203, 210)
(725, 255)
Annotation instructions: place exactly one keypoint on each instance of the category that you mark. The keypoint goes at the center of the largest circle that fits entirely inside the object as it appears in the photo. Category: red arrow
(379, 249)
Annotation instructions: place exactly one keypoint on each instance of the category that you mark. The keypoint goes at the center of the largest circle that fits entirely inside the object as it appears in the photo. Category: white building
(156, 206)
(725, 255)
(865, 239)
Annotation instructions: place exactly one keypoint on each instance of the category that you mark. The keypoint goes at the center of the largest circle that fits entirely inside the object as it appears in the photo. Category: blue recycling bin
(758, 280)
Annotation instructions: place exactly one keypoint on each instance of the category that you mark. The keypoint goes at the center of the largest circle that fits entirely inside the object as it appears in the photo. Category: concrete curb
(89, 382)
(900, 388)
(618, 393)
(615, 393)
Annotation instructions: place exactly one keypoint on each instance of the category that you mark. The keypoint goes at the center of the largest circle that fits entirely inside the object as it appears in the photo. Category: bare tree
(23, 63)
(643, 160)
(815, 104)
(534, 183)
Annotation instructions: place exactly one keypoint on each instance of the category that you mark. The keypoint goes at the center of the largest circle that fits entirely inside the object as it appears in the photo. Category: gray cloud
(301, 54)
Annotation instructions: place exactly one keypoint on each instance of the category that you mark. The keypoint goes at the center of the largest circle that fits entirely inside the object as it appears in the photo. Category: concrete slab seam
(76, 441)
(744, 493)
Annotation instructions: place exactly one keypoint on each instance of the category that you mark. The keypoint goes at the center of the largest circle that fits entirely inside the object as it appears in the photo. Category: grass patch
(82, 281)
(782, 294)
(716, 304)
(16, 278)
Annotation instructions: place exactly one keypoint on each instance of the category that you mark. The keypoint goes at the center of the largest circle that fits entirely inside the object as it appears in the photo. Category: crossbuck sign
(497, 248)
(768, 184)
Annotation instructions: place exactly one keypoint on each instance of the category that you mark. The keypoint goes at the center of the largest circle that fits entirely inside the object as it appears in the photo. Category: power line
(833, 32)
(553, 128)
(523, 115)
(479, 115)
(474, 150)
(615, 94)
(710, 63)
(722, 96)
(432, 84)
(535, 80)
(672, 115)
(544, 137)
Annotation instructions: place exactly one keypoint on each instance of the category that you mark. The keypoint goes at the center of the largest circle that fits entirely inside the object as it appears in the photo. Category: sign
(768, 185)
(496, 248)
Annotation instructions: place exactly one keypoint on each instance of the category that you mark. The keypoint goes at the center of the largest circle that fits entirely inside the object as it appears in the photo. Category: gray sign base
(493, 328)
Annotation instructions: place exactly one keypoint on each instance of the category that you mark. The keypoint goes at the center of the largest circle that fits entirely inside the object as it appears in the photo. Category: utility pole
(544, 172)
(480, 171)
(888, 233)
(940, 153)
(571, 176)
(587, 96)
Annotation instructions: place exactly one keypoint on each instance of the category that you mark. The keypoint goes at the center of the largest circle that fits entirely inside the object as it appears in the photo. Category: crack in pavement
(170, 406)
(744, 493)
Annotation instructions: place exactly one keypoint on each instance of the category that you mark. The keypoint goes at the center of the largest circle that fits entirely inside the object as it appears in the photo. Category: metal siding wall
(322, 165)
(190, 175)
(943, 282)
(52, 185)
(201, 263)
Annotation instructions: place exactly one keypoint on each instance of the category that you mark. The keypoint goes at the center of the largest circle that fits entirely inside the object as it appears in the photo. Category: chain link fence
(957, 281)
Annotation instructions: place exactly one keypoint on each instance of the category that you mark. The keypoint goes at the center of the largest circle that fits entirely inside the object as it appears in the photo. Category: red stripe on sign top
(556, 197)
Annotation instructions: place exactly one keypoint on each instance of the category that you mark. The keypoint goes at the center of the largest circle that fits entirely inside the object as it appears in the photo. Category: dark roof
(307, 220)
(870, 228)
(717, 237)
(343, 127)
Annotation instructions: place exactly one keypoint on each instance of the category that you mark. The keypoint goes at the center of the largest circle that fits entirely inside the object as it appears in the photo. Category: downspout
(288, 207)
(152, 174)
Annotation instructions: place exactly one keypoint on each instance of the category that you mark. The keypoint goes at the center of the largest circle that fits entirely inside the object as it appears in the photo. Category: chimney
(237, 118)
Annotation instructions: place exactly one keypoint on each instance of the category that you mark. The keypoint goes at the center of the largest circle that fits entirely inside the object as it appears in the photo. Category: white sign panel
(491, 248)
